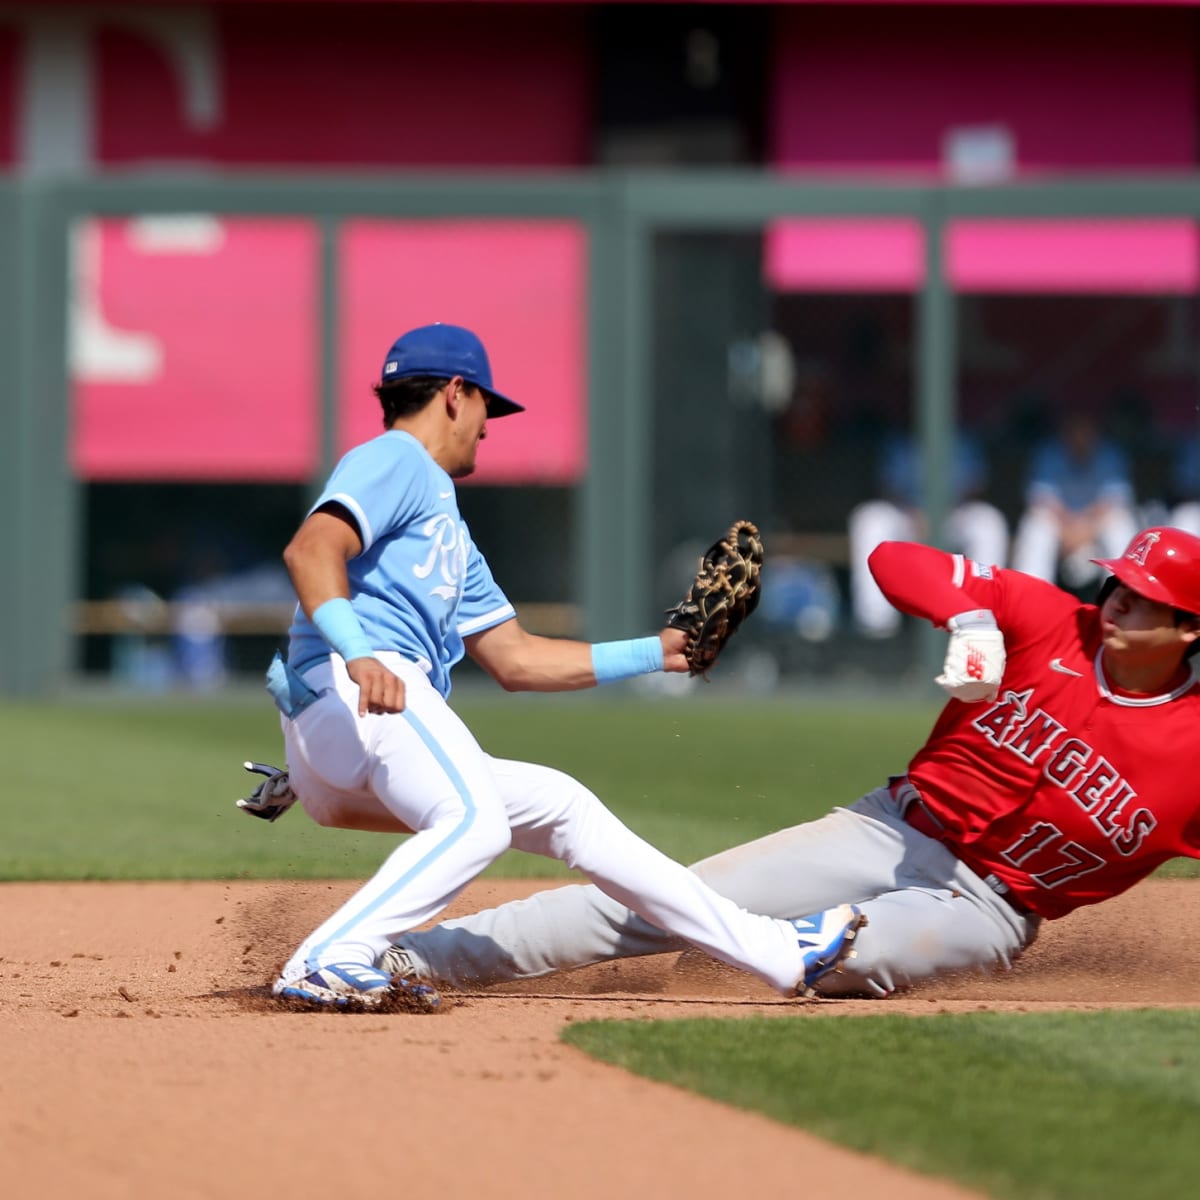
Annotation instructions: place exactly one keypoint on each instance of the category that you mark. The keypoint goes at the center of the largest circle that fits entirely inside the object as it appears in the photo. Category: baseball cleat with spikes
(338, 984)
(405, 974)
(826, 940)
(354, 986)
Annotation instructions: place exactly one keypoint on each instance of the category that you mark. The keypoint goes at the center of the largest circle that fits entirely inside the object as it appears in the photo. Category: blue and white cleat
(353, 985)
(826, 941)
(339, 985)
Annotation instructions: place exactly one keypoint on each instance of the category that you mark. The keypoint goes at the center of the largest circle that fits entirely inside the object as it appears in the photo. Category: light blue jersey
(420, 585)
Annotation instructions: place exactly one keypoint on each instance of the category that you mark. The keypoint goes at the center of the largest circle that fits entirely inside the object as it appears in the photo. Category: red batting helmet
(1161, 564)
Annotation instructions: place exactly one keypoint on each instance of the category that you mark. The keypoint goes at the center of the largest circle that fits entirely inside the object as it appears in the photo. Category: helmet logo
(1140, 550)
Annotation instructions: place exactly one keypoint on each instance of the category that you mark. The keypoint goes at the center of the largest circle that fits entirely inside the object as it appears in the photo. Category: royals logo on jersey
(446, 562)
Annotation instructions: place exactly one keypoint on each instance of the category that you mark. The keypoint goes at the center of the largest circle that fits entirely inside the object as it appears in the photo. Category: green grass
(144, 789)
(1056, 1106)
(1087, 1106)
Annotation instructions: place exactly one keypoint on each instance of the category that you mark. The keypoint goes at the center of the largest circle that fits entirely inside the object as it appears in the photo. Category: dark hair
(404, 397)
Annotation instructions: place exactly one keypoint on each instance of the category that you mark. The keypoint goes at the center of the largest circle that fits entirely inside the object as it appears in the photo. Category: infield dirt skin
(144, 1057)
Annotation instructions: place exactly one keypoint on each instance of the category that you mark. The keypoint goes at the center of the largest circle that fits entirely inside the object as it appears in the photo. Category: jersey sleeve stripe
(504, 613)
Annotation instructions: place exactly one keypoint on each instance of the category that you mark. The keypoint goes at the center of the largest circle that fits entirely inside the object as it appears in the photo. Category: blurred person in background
(1184, 484)
(1080, 503)
(974, 526)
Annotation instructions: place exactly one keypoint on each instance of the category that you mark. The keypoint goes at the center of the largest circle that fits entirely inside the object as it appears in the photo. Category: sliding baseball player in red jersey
(1061, 772)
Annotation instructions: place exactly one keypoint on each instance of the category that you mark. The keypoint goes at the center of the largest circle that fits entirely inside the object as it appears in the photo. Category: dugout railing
(622, 213)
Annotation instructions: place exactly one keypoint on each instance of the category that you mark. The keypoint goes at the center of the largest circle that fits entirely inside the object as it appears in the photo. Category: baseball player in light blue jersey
(392, 592)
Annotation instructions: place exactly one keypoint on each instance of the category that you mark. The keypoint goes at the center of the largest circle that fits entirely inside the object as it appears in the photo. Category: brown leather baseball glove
(723, 594)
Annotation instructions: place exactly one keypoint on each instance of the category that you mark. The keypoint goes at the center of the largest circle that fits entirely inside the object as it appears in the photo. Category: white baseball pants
(423, 770)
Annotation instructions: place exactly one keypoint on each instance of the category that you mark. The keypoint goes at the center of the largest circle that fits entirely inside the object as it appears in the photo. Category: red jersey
(1066, 791)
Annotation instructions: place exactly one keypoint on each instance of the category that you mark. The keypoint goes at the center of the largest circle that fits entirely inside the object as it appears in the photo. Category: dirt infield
(142, 1056)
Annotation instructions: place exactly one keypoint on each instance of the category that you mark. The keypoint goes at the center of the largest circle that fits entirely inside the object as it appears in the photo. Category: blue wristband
(622, 660)
(337, 624)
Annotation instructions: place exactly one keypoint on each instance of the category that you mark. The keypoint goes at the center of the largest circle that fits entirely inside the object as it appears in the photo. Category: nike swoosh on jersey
(1056, 664)
(445, 495)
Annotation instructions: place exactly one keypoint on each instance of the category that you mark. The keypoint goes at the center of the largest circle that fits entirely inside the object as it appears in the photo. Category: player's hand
(673, 643)
(975, 657)
(379, 690)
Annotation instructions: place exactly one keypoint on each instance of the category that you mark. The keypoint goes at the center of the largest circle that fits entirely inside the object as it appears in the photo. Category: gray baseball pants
(928, 914)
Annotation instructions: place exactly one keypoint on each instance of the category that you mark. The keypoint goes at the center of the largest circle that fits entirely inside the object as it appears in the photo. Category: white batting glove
(975, 657)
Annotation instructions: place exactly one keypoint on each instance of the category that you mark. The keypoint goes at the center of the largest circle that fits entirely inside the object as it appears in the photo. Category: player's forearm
(918, 581)
(520, 661)
(315, 582)
(548, 665)
(318, 574)
(316, 560)
(524, 662)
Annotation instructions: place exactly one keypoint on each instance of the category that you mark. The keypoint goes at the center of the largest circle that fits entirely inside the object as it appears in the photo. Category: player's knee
(484, 830)
(555, 794)
(493, 839)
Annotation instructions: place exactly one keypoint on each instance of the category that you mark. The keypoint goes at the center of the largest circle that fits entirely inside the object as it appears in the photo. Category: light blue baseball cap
(443, 351)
